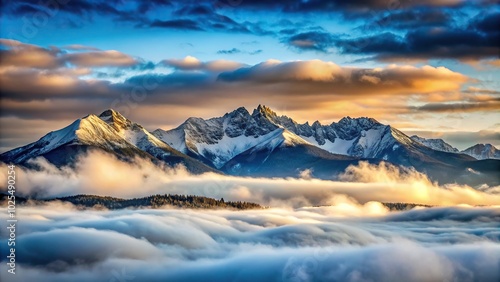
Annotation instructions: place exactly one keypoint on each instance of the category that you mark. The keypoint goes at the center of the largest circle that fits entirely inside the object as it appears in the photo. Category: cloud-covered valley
(102, 174)
(57, 242)
(312, 230)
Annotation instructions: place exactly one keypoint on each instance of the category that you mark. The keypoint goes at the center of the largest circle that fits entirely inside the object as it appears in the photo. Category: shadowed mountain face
(260, 143)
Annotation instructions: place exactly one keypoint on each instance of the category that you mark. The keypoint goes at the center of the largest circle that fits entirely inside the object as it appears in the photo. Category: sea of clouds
(313, 230)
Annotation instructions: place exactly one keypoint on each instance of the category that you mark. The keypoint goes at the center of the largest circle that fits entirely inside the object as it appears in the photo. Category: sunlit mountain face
(249, 140)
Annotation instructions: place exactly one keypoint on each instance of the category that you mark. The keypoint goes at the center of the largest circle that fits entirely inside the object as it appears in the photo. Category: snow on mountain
(90, 131)
(483, 151)
(436, 144)
(136, 134)
(356, 137)
(218, 140)
(111, 132)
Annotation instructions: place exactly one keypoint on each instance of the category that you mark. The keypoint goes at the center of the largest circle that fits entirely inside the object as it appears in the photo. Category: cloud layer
(60, 243)
(314, 230)
(102, 174)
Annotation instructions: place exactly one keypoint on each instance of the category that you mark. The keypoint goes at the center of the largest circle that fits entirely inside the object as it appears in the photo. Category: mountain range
(264, 144)
(478, 151)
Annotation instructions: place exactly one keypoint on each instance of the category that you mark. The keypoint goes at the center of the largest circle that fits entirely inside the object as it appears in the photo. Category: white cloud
(103, 174)
(61, 243)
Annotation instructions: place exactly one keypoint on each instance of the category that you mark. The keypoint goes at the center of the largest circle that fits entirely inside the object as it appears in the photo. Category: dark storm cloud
(146, 6)
(298, 6)
(175, 14)
(195, 10)
(490, 23)
(478, 41)
(209, 18)
(176, 24)
(86, 8)
(125, 10)
(409, 19)
(76, 13)
(212, 15)
(23, 9)
(429, 34)
(206, 22)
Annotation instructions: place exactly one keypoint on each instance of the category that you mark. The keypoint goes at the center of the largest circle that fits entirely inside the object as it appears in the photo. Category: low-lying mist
(104, 175)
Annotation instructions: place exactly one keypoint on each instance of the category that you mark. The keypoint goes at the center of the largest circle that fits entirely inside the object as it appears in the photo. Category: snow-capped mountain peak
(483, 151)
(87, 131)
(264, 111)
(115, 119)
(436, 144)
(217, 140)
(111, 132)
(93, 130)
(134, 133)
(220, 139)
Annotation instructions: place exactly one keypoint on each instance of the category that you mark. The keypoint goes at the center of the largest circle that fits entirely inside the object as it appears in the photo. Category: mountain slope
(109, 132)
(287, 156)
(436, 144)
(364, 138)
(483, 151)
(86, 132)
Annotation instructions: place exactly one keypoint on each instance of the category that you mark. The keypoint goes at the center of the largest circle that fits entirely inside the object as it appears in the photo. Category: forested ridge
(153, 201)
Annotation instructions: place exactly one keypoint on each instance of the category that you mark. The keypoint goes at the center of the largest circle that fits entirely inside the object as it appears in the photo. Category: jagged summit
(116, 120)
(483, 151)
(240, 110)
(363, 121)
(109, 112)
(264, 111)
(217, 140)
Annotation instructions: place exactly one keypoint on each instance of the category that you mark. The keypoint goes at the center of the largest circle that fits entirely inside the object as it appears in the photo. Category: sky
(427, 67)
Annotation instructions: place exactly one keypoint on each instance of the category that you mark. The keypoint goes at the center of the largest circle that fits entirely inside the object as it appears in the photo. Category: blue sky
(441, 58)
